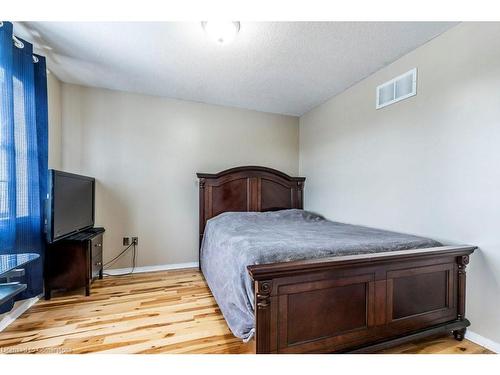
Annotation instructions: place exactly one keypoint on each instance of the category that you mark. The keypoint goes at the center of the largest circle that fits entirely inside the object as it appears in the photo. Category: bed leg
(459, 334)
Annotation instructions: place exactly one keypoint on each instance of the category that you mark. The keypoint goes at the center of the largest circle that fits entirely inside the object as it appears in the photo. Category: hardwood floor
(158, 312)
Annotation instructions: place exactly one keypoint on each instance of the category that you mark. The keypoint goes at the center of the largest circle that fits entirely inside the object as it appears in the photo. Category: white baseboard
(161, 267)
(483, 341)
(17, 311)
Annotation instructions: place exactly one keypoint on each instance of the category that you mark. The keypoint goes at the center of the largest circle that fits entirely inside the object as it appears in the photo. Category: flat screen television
(70, 204)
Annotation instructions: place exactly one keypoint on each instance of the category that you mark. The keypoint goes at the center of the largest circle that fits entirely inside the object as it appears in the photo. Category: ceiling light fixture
(221, 32)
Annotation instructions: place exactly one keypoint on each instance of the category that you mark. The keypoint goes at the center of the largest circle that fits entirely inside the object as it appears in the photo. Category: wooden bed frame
(359, 303)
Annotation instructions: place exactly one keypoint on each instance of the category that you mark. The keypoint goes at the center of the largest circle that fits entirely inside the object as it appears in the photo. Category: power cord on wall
(115, 259)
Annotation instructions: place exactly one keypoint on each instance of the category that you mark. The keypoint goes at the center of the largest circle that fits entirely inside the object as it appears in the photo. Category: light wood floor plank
(157, 312)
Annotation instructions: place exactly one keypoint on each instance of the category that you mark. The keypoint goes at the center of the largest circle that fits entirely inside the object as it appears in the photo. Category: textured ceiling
(280, 67)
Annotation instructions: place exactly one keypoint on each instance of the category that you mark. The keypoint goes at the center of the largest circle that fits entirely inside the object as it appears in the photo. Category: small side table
(10, 268)
(74, 262)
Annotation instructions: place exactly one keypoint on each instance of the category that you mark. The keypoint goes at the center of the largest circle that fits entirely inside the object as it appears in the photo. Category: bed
(297, 283)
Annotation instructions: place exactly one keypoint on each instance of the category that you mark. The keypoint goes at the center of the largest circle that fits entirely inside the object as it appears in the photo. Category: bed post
(462, 264)
(263, 316)
(300, 194)
(201, 217)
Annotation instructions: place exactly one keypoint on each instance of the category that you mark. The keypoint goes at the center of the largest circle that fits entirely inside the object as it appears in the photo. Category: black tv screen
(71, 204)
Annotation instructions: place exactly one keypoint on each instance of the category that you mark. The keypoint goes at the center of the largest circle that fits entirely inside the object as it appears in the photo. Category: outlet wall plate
(126, 241)
(135, 240)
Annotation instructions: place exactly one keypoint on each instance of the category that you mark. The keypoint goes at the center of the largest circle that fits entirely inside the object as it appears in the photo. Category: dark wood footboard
(360, 303)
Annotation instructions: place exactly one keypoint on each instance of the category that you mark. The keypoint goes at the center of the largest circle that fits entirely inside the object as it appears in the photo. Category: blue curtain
(23, 154)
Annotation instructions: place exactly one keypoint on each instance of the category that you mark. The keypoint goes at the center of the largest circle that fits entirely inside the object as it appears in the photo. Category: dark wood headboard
(247, 189)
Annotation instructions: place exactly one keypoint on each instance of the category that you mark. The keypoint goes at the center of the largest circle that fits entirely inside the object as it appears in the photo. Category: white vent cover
(397, 89)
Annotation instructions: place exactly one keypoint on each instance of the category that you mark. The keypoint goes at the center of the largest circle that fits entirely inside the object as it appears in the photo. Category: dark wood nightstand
(74, 262)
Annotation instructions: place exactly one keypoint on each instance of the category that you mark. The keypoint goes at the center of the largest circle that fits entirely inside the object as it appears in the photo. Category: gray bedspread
(234, 240)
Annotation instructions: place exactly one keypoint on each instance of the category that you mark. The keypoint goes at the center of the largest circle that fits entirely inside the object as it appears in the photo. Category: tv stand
(74, 262)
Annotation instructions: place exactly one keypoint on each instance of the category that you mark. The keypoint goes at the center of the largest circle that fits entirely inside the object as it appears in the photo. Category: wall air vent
(397, 89)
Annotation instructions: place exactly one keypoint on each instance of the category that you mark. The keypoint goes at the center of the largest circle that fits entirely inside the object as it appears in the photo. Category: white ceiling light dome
(221, 32)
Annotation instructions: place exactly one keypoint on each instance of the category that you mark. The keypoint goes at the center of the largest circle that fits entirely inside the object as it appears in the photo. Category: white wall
(144, 152)
(55, 133)
(429, 165)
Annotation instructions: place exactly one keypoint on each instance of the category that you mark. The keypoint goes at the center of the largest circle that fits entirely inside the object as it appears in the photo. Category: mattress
(234, 240)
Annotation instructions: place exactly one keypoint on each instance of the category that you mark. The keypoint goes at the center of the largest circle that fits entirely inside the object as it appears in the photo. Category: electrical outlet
(126, 241)
(135, 240)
